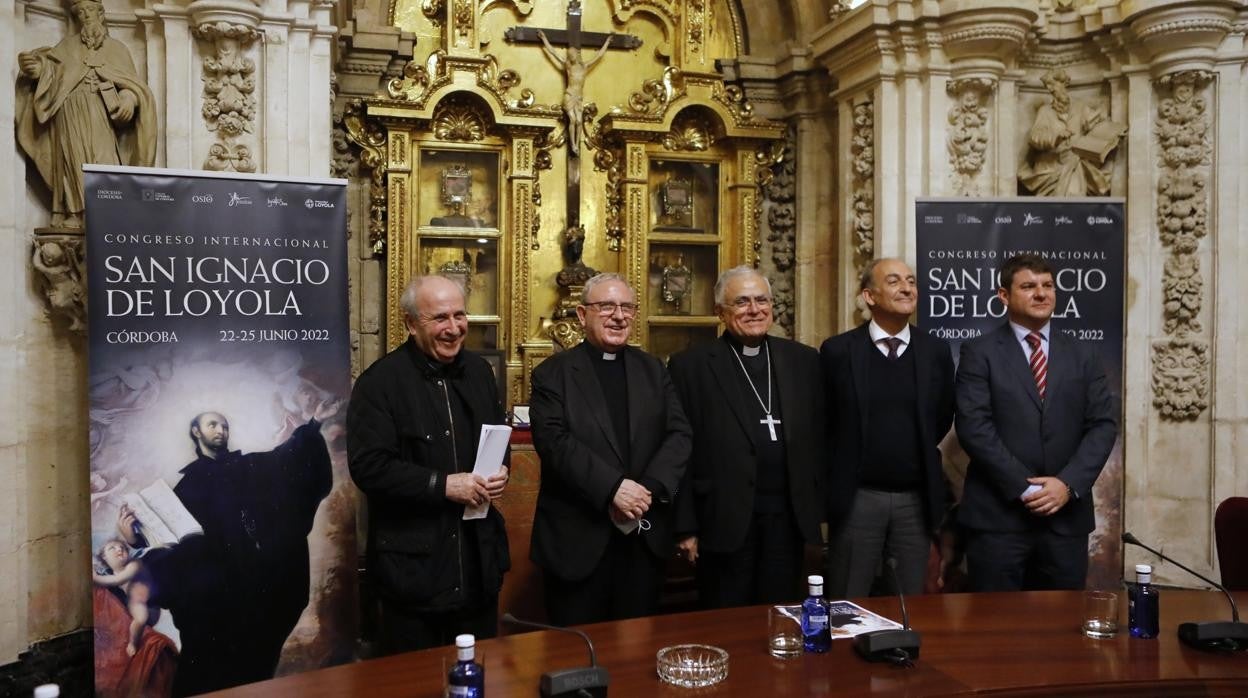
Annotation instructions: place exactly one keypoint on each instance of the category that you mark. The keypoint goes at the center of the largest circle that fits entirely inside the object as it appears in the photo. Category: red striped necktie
(1039, 363)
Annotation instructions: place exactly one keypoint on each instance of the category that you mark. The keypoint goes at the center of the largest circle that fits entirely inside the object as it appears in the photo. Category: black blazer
(400, 453)
(581, 463)
(1011, 435)
(718, 495)
(845, 373)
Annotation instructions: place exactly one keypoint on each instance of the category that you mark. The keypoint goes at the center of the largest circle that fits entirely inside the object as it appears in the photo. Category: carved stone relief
(1181, 363)
(1070, 143)
(59, 260)
(862, 152)
(1181, 378)
(779, 196)
(229, 108)
(967, 139)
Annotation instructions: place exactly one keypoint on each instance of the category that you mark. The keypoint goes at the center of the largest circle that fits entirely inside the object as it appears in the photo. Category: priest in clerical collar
(613, 441)
(752, 496)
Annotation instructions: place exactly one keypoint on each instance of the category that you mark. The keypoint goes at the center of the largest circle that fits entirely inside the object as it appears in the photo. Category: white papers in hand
(490, 451)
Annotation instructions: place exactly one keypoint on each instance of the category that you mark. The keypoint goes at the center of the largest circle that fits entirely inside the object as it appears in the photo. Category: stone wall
(279, 125)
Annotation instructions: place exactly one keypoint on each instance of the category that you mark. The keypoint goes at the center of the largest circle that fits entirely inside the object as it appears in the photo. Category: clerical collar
(599, 355)
(741, 348)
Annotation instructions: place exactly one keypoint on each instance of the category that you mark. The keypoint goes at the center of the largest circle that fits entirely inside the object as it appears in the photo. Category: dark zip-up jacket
(401, 447)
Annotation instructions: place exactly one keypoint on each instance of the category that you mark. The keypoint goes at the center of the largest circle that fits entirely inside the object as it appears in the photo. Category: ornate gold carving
(656, 94)
(371, 139)
(500, 83)
(967, 140)
(696, 21)
(1181, 378)
(691, 133)
(432, 9)
(417, 79)
(535, 228)
(463, 16)
(733, 97)
(456, 120)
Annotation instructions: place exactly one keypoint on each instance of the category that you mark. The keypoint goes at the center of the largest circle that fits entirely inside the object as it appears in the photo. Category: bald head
(437, 319)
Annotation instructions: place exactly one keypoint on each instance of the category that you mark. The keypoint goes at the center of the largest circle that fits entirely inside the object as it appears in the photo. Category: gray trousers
(880, 525)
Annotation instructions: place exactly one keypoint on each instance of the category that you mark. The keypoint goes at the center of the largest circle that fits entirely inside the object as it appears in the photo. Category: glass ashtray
(692, 666)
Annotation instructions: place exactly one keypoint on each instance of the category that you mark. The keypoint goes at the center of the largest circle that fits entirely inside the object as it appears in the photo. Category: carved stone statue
(82, 101)
(1069, 143)
(60, 262)
(575, 69)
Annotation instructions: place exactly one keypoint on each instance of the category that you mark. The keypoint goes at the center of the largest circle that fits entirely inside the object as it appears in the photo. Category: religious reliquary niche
(1181, 361)
(686, 198)
(529, 145)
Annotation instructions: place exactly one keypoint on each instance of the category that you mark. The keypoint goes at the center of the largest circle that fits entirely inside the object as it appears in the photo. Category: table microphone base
(583, 681)
(882, 645)
(1214, 636)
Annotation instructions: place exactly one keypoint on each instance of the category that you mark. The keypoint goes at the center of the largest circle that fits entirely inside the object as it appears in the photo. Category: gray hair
(599, 279)
(407, 301)
(868, 271)
(733, 273)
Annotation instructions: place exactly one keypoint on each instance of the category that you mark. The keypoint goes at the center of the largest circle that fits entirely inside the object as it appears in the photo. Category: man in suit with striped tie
(1036, 416)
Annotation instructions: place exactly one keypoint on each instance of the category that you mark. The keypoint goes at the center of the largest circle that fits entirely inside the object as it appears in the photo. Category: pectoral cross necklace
(769, 420)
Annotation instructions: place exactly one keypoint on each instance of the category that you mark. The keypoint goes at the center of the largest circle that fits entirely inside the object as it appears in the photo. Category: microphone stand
(1207, 636)
(897, 645)
(582, 682)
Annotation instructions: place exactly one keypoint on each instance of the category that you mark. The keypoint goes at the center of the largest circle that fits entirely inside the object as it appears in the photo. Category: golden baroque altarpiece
(521, 154)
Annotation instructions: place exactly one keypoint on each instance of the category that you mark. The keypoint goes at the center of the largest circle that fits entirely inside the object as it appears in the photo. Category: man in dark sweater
(890, 402)
(753, 490)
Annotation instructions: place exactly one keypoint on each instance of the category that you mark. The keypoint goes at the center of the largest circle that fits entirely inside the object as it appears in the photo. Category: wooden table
(1007, 644)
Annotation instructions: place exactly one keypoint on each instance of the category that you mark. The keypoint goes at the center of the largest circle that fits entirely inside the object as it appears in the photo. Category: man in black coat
(1038, 420)
(752, 494)
(890, 402)
(613, 441)
(412, 431)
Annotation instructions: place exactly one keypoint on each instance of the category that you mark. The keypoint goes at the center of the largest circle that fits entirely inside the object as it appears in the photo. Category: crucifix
(771, 423)
(575, 69)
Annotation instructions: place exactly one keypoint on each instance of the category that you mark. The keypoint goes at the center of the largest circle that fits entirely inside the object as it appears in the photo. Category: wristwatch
(1070, 492)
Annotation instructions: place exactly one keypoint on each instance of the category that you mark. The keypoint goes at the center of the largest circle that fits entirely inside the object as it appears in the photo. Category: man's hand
(688, 549)
(496, 482)
(467, 489)
(1050, 498)
(29, 64)
(632, 499)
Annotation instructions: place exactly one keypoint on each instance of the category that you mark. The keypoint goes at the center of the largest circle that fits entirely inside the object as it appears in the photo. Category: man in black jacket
(412, 431)
(890, 402)
(613, 441)
(752, 492)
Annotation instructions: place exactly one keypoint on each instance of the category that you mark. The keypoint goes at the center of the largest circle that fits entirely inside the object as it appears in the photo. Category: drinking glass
(1100, 614)
(784, 631)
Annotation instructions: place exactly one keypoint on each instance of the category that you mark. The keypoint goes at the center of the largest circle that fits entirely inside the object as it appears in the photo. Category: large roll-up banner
(222, 518)
(961, 245)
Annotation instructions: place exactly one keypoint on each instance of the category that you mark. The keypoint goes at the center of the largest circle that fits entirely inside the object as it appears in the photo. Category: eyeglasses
(743, 302)
(608, 308)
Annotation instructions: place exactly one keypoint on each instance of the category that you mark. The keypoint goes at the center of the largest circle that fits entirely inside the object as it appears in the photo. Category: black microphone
(587, 682)
(897, 645)
(1207, 635)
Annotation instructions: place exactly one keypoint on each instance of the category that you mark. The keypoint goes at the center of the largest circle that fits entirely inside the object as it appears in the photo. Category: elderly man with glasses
(752, 491)
(613, 441)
